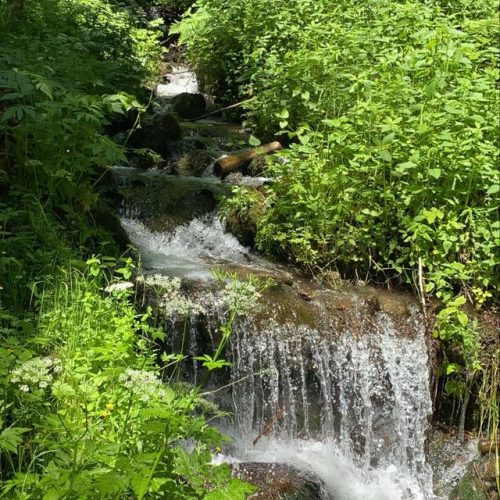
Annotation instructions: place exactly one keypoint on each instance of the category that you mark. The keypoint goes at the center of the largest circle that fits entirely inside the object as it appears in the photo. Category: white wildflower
(119, 287)
(143, 384)
(36, 373)
(239, 296)
(172, 300)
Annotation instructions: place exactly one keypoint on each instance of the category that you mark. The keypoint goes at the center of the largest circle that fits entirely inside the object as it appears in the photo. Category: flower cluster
(239, 296)
(36, 373)
(172, 300)
(119, 287)
(143, 384)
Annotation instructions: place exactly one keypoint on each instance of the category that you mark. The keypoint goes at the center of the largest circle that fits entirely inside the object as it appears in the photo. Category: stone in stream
(188, 105)
(277, 481)
(486, 446)
(156, 133)
(193, 163)
(471, 487)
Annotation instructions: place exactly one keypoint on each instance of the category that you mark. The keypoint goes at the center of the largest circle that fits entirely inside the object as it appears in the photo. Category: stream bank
(333, 383)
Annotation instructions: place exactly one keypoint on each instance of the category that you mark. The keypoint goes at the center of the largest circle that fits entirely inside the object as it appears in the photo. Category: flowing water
(334, 383)
(352, 409)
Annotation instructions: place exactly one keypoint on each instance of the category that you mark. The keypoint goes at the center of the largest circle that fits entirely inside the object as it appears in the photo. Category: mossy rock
(244, 224)
(188, 105)
(257, 166)
(275, 481)
(194, 163)
(157, 132)
(469, 488)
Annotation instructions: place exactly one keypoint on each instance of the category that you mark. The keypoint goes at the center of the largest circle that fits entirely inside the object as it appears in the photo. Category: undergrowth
(392, 174)
(84, 412)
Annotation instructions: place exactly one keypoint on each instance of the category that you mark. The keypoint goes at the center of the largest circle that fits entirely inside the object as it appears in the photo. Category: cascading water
(188, 250)
(352, 409)
(329, 382)
(347, 403)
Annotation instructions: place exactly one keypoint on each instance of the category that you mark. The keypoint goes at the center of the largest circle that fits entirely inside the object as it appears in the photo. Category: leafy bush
(83, 409)
(392, 108)
(84, 412)
(67, 69)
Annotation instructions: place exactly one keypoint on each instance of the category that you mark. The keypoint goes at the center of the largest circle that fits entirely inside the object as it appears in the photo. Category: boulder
(104, 217)
(194, 163)
(279, 481)
(257, 166)
(243, 222)
(188, 105)
(156, 133)
(486, 446)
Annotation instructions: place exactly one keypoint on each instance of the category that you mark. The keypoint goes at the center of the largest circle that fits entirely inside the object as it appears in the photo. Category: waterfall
(342, 405)
(331, 382)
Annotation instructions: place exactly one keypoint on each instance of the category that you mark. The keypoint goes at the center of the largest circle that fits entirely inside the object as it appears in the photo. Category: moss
(469, 488)
(194, 163)
(243, 221)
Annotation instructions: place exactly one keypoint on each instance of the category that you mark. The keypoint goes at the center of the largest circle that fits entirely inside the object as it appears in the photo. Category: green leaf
(385, 155)
(435, 172)
(253, 141)
(450, 368)
(235, 490)
(52, 494)
(11, 438)
(493, 189)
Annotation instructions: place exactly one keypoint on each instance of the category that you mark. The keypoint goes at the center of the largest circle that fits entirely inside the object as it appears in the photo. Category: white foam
(187, 250)
(182, 79)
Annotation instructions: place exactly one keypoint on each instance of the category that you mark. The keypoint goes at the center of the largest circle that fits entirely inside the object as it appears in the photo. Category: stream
(332, 382)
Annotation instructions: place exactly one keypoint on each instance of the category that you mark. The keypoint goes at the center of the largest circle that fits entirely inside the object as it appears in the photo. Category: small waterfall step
(330, 383)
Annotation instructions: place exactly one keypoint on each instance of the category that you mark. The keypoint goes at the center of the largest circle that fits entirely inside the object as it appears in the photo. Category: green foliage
(64, 73)
(67, 70)
(392, 108)
(395, 123)
(84, 412)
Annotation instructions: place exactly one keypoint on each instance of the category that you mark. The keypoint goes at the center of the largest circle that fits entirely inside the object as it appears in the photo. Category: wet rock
(487, 469)
(449, 459)
(486, 446)
(189, 105)
(194, 163)
(166, 201)
(279, 481)
(105, 218)
(156, 133)
(469, 488)
(238, 179)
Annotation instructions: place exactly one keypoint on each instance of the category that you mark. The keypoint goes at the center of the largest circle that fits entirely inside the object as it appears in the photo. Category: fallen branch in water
(228, 164)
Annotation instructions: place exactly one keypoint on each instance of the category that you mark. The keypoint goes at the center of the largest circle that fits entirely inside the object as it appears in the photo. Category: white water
(182, 79)
(351, 410)
(188, 251)
(342, 478)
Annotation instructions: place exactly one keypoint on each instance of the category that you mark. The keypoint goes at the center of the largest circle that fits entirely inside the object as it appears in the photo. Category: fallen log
(228, 164)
